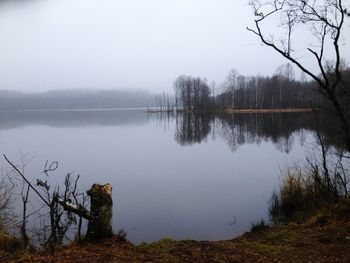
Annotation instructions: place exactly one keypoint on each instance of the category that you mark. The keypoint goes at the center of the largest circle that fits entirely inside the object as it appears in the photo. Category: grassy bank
(310, 213)
(290, 110)
(324, 237)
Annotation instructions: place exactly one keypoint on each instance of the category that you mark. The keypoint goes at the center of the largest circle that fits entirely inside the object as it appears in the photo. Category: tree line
(192, 93)
(280, 91)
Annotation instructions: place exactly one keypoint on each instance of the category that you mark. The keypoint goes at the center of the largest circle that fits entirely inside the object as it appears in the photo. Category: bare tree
(324, 20)
(25, 199)
(55, 201)
(192, 93)
(6, 197)
(230, 84)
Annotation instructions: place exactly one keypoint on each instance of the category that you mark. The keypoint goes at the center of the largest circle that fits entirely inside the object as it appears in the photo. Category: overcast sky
(138, 44)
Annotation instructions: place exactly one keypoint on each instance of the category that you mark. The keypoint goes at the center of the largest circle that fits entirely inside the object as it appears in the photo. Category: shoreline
(232, 110)
(324, 237)
(289, 110)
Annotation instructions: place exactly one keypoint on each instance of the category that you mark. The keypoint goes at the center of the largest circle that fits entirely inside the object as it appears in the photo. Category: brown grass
(324, 238)
(231, 110)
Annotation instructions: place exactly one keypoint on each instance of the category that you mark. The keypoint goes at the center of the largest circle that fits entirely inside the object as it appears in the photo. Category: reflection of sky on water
(162, 188)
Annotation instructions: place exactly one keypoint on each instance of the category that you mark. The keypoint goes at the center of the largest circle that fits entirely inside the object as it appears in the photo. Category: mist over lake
(174, 131)
(181, 176)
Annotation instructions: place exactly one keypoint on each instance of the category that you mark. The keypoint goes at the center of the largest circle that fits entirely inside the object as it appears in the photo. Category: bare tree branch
(26, 180)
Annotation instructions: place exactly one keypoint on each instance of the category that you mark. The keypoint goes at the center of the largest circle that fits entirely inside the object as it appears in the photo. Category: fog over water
(76, 76)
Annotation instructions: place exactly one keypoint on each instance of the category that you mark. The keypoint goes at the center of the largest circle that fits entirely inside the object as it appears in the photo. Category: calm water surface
(184, 177)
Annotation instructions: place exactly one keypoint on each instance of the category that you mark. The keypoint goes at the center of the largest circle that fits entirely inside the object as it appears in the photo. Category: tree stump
(100, 224)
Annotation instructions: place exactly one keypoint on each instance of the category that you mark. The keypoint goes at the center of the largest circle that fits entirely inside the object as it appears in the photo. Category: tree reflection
(252, 128)
(192, 128)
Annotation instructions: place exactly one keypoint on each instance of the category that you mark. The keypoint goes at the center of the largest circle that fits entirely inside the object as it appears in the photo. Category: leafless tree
(25, 191)
(324, 19)
(231, 83)
(63, 206)
(192, 93)
(6, 197)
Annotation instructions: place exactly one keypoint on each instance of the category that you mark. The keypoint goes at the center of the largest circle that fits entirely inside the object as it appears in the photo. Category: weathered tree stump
(100, 222)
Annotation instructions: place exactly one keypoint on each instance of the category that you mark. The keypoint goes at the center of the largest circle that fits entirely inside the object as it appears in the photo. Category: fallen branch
(76, 209)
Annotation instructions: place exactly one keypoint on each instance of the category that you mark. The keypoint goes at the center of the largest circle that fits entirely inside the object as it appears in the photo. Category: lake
(184, 177)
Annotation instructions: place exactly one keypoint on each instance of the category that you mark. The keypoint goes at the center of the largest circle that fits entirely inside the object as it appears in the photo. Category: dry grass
(304, 193)
(231, 110)
(323, 238)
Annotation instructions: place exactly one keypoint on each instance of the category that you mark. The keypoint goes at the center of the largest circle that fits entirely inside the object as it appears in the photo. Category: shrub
(8, 241)
(301, 194)
(122, 235)
(259, 226)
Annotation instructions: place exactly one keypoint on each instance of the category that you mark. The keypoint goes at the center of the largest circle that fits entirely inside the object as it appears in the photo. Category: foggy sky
(136, 44)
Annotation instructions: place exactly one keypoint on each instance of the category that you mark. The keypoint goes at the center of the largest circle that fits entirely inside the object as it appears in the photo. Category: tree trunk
(101, 212)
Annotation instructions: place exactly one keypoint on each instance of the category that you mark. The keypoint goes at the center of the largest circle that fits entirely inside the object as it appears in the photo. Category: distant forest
(280, 91)
(75, 99)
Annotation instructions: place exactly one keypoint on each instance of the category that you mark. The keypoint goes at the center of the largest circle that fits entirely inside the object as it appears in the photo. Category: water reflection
(75, 118)
(190, 128)
(252, 128)
(240, 129)
(161, 189)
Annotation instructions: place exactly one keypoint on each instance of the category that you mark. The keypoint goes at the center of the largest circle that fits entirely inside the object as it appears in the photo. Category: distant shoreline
(231, 110)
(74, 110)
(266, 110)
(154, 110)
